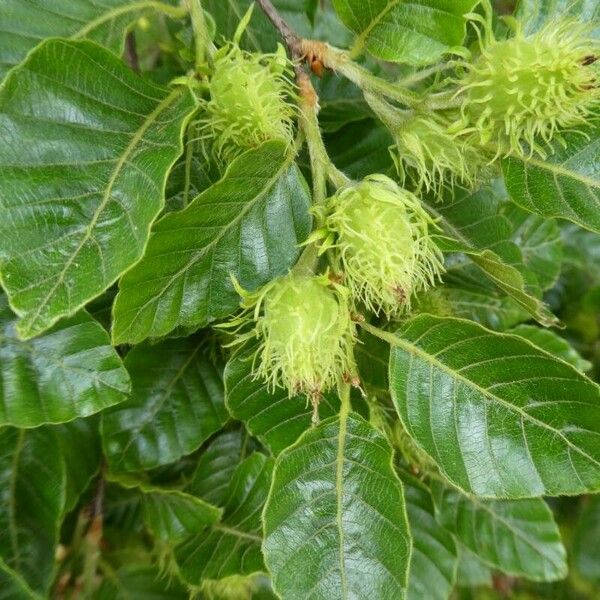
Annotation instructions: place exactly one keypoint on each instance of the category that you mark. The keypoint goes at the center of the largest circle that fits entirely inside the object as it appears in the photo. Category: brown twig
(297, 49)
(292, 40)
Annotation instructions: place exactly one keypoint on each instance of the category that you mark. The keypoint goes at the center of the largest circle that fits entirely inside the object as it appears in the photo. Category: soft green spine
(383, 244)
(251, 102)
(528, 88)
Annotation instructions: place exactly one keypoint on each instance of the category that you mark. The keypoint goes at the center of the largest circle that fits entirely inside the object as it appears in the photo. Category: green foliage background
(139, 458)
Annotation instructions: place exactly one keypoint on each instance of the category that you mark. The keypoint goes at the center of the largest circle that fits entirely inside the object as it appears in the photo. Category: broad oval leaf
(231, 547)
(552, 343)
(565, 184)
(335, 521)
(25, 23)
(273, 417)
(540, 243)
(434, 558)
(471, 571)
(71, 371)
(32, 499)
(216, 466)
(175, 405)
(479, 302)
(248, 225)
(517, 537)
(87, 146)
(487, 242)
(417, 32)
(169, 514)
(499, 416)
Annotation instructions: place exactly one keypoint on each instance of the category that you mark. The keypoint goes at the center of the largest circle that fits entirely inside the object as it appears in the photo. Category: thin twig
(292, 40)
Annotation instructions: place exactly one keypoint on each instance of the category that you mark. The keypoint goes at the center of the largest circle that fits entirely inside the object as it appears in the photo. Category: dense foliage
(299, 299)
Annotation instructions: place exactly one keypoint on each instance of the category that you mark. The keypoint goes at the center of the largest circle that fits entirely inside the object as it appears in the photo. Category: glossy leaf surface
(247, 225)
(565, 184)
(71, 371)
(335, 520)
(416, 32)
(176, 404)
(499, 416)
(518, 537)
(26, 23)
(85, 154)
(232, 546)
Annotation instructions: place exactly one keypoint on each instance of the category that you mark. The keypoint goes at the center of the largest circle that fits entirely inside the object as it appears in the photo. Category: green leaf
(373, 359)
(335, 521)
(471, 571)
(357, 149)
(216, 466)
(417, 32)
(552, 343)
(341, 103)
(510, 280)
(499, 416)
(518, 537)
(586, 534)
(433, 561)
(273, 417)
(170, 515)
(133, 582)
(540, 243)
(564, 185)
(260, 35)
(70, 371)
(581, 266)
(87, 148)
(26, 23)
(32, 499)
(487, 243)
(247, 225)
(231, 547)
(79, 443)
(534, 13)
(477, 302)
(175, 405)
(13, 586)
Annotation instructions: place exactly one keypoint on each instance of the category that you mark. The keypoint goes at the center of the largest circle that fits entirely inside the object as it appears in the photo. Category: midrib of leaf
(162, 397)
(517, 533)
(237, 532)
(93, 375)
(121, 10)
(414, 350)
(135, 140)
(339, 485)
(199, 254)
(362, 38)
(559, 169)
(12, 499)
